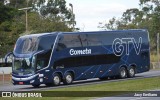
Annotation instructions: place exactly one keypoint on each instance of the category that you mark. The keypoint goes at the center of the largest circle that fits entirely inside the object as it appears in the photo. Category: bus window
(42, 60)
(83, 39)
(68, 41)
(93, 40)
(27, 45)
(41, 63)
(46, 43)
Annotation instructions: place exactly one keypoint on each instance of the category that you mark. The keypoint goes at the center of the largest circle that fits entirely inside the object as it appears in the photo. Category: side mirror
(8, 57)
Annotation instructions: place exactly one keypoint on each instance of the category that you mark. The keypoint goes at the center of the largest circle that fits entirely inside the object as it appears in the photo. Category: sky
(88, 13)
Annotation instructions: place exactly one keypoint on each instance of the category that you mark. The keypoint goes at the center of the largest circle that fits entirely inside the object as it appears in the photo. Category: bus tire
(123, 72)
(36, 85)
(68, 78)
(56, 79)
(131, 72)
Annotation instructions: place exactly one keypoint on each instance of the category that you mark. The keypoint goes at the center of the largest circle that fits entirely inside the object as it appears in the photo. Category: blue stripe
(97, 71)
(108, 69)
(107, 49)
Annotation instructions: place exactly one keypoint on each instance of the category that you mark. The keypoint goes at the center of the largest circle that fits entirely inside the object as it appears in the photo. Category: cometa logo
(80, 52)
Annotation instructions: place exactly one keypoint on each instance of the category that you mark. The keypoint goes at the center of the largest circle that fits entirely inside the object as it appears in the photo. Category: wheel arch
(59, 73)
(70, 71)
(124, 65)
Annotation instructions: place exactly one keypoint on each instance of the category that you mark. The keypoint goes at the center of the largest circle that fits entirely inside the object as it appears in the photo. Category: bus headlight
(41, 80)
(41, 75)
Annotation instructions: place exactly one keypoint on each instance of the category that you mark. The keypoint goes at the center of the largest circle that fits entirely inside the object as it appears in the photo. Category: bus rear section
(103, 54)
(70, 56)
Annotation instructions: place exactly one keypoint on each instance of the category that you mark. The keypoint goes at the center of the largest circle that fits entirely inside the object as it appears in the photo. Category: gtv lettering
(119, 45)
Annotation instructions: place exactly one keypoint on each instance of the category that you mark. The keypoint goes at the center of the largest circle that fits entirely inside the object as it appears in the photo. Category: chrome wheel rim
(123, 73)
(131, 71)
(69, 78)
(56, 80)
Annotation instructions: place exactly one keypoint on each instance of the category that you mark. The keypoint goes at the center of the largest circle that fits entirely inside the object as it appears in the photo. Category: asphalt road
(10, 87)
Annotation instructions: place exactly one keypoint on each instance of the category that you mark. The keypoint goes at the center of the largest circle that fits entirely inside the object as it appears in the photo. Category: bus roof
(110, 31)
(90, 32)
(38, 34)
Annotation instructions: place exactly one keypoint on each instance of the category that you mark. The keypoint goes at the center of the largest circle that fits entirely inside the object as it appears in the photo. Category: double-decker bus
(52, 58)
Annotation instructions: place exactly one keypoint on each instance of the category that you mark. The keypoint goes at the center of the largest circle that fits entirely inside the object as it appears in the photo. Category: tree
(46, 16)
(20, 3)
(7, 13)
(6, 16)
(54, 10)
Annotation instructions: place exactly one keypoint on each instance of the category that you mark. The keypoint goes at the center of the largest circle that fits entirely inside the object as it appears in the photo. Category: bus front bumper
(34, 79)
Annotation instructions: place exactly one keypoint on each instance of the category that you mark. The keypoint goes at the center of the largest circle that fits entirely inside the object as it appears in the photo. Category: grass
(127, 85)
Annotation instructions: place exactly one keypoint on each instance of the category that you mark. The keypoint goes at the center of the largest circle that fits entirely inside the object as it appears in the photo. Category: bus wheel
(68, 78)
(123, 72)
(131, 72)
(35, 85)
(56, 79)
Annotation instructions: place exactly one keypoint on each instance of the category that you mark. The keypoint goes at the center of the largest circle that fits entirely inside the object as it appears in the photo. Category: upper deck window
(94, 40)
(27, 45)
(30, 44)
(46, 42)
(69, 41)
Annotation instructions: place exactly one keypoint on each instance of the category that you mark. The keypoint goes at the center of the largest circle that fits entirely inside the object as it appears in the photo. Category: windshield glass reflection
(23, 65)
(27, 45)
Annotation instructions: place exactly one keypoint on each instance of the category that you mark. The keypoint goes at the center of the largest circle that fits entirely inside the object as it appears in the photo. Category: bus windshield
(23, 66)
(27, 45)
(27, 58)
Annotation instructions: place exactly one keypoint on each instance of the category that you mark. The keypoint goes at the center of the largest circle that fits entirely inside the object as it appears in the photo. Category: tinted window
(69, 41)
(81, 61)
(26, 45)
(84, 41)
(94, 40)
(46, 42)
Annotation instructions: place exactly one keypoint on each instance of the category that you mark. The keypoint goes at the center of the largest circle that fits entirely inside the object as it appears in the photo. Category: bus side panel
(134, 53)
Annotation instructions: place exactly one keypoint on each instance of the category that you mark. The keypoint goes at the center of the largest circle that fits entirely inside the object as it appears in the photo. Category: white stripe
(24, 79)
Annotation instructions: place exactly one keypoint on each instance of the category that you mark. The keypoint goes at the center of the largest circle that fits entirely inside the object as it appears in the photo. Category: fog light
(41, 75)
(32, 81)
(41, 80)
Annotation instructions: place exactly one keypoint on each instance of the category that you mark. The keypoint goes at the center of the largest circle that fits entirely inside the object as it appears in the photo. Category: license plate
(21, 74)
(21, 83)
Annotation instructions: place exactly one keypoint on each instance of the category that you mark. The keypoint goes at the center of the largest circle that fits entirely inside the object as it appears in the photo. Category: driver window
(40, 64)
